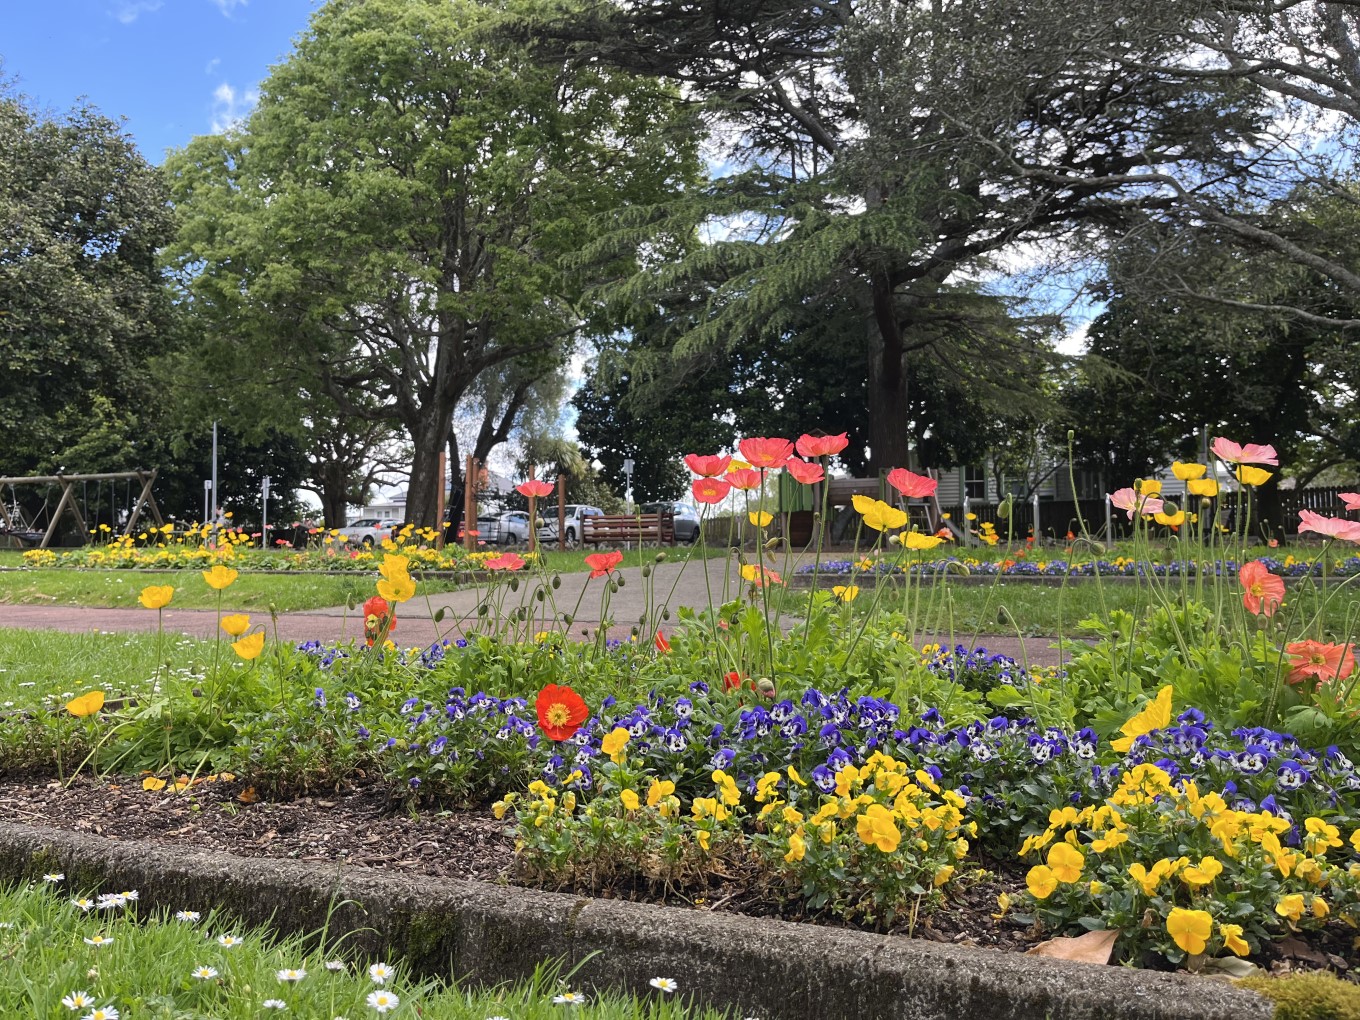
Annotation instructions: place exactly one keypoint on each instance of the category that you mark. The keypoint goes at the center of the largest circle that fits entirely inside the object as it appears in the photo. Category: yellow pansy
(797, 848)
(1041, 882)
(1066, 862)
(613, 743)
(1290, 906)
(1208, 869)
(629, 799)
(877, 828)
(1190, 929)
(1155, 716)
(1233, 940)
(660, 788)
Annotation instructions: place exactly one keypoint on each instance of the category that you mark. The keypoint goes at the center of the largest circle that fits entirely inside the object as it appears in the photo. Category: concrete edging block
(491, 933)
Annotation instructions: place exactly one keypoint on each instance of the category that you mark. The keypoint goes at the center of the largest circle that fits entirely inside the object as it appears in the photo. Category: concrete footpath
(648, 604)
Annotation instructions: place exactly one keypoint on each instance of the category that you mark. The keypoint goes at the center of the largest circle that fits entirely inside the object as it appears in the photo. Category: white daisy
(129, 895)
(53, 876)
(291, 974)
(109, 901)
(569, 999)
(228, 941)
(187, 915)
(205, 973)
(99, 941)
(77, 1000)
(383, 1002)
(380, 972)
(84, 903)
(274, 1004)
(335, 966)
(663, 984)
(102, 1013)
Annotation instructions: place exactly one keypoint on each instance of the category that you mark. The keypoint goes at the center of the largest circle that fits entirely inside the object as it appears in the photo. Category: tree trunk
(422, 494)
(889, 438)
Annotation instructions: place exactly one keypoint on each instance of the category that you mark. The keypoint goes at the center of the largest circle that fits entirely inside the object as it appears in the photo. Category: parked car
(368, 531)
(576, 512)
(512, 526)
(686, 520)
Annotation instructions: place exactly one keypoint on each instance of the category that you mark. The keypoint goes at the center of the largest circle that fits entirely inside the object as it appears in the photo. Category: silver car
(368, 531)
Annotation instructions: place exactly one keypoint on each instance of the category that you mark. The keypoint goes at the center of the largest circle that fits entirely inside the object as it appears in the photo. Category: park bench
(614, 529)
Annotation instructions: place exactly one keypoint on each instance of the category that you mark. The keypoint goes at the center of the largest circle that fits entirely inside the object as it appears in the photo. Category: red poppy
(1262, 591)
(710, 490)
(1320, 661)
(662, 645)
(803, 472)
(707, 466)
(744, 478)
(535, 488)
(378, 619)
(911, 485)
(603, 563)
(821, 446)
(732, 681)
(505, 561)
(765, 453)
(560, 711)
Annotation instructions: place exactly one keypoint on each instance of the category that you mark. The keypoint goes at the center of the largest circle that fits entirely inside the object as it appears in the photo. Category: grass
(149, 970)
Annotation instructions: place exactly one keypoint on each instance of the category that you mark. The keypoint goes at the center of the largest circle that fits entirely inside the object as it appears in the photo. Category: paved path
(646, 603)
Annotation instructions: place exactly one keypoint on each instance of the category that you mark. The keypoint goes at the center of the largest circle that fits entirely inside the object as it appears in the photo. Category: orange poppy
(1262, 591)
(534, 488)
(1321, 661)
(744, 478)
(821, 446)
(803, 472)
(561, 711)
(707, 466)
(603, 563)
(912, 485)
(710, 490)
(766, 453)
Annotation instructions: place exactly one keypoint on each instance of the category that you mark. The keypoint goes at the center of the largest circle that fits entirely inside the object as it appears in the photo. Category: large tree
(405, 209)
(880, 152)
(82, 302)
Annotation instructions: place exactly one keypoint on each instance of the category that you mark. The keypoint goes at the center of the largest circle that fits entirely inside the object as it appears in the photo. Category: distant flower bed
(1118, 567)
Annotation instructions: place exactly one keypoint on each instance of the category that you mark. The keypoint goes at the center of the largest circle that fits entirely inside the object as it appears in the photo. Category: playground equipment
(14, 523)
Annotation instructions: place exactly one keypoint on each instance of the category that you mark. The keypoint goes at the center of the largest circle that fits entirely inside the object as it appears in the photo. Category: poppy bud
(665, 614)
(613, 586)
(646, 570)
(765, 686)
(568, 619)
(1071, 434)
(633, 631)
(483, 609)
(540, 593)
(514, 584)
(661, 557)
(1003, 510)
(894, 539)
(618, 581)
(556, 581)
(1169, 508)
(773, 543)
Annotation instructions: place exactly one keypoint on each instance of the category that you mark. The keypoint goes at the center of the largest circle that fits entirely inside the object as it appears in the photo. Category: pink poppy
(803, 472)
(744, 478)
(1252, 453)
(535, 488)
(706, 466)
(765, 453)
(912, 485)
(1351, 499)
(1320, 661)
(1333, 527)
(710, 490)
(821, 446)
(1128, 500)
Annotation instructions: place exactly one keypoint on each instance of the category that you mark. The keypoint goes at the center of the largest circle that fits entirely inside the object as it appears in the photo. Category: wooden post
(562, 512)
(440, 500)
(470, 505)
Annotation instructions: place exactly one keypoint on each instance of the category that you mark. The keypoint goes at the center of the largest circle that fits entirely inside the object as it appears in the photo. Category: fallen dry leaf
(1093, 947)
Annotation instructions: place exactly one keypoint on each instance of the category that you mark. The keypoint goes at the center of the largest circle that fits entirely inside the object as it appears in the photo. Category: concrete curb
(489, 933)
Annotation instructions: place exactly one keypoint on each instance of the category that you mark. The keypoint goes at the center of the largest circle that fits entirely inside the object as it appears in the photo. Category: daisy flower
(569, 999)
(84, 903)
(228, 941)
(78, 1000)
(335, 966)
(383, 1002)
(380, 972)
(274, 1004)
(291, 974)
(663, 984)
(99, 941)
(53, 876)
(205, 973)
(187, 915)
(102, 1013)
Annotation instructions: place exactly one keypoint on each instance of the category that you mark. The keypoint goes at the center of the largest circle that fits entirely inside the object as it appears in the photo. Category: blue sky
(173, 68)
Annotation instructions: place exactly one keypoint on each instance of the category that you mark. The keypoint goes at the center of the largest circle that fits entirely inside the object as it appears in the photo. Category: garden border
(494, 933)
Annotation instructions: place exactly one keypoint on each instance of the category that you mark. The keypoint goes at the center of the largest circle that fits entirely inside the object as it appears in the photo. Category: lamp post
(628, 481)
(207, 501)
(264, 513)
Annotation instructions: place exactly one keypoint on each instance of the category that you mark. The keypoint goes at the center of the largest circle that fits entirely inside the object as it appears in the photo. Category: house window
(975, 483)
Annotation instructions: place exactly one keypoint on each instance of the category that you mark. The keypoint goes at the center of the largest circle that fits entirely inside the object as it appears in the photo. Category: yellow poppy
(156, 596)
(760, 518)
(877, 514)
(219, 577)
(394, 567)
(1205, 487)
(916, 540)
(249, 647)
(1170, 520)
(1150, 487)
(236, 624)
(1185, 472)
(1248, 475)
(87, 704)
(398, 589)
(845, 592)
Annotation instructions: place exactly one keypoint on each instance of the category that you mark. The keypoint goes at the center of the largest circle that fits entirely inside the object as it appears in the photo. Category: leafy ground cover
(92, 954)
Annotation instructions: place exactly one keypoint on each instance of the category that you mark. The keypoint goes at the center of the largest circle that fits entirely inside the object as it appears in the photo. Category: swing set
(18, 526)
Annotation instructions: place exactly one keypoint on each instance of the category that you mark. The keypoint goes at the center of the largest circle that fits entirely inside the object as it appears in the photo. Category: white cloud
(128, 11)
(228, 7)
(211, 65)
(231, 106)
